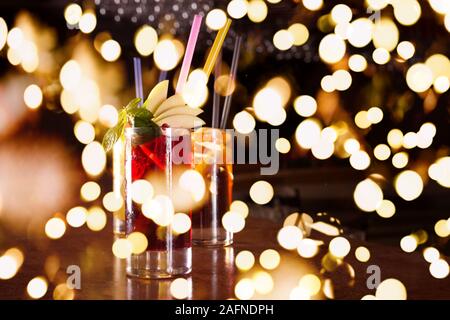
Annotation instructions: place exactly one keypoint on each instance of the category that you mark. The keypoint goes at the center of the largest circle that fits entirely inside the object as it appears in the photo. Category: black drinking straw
(216, 97)
(234, 64)
(138, 78)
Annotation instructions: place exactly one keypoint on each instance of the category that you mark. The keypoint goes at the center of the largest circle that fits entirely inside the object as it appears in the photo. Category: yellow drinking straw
(215, 49)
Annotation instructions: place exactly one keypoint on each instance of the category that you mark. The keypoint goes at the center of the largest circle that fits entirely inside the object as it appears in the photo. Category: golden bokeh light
(381, 56)
(339, 247)
(407, 12)
(283, 40)
(410, 140)
(141, 191)
(406, 50)
(442, 228)
(266, 103)
(90, 191)
(360, 32)
(362, 254)
(440, 171)
(360, 160)
(63, 292)
(167, 55)
(122, 248)
(216, 19)
(409, 185)
(419, 77)
(244, 122)
(362, 119)
(245, 260)
(70, 75)
(441, 84)
(400, 160)
(308, 133)
(351, 146)
(327, 84)
(341, 13)
(263, 282)
(112, 201)
(307, 248)
(299, 294)
(323, 148)
(181, 223)
(431, 254)
(110, 50)
(73, 13)
(244, 289)
(10, 263)
(299, 33)
(233, 222)
(240, 207)
(76, 217)
(311, 283)
(375, 115)
(108, 115)
(96, 219)
(441, 7)
(386, 209)
(368, 195)
(377, 4)
(408, 243)
(145, 40)
(138, 241)
(257, 10)
(313, 5)
(160, 209)
(289, 237)
(357, 63)
(180, 288)
(391, 289)
(342, 80)
(305, 105)
(237, 9)
(33, 96)
(332, 48)
(395, 138)
(88, 22)
(269, 259)
(382, 152)
(261, 192)
(37, 287)
(439, 269)
(84, 131)
(385, 34)
(192, 181)
(282, 145)
(55, 228)
(3, 32)
(93, 158)
(15, 38)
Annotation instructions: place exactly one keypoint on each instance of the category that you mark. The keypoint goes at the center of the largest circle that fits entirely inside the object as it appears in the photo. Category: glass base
(211, 237)
(160, 264)
(212, 243)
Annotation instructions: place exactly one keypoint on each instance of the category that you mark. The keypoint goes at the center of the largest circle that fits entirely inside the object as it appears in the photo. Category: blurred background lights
(381, 56)
(359, 32)
(360, 160)
(410, 140)
(138, 242)
(15, 38)
(407, 12)
(431, 254)
(289, 237)
(408, 243)
(419, 77)
(299, 294)
(237, 9)
(362, 254)
(257, 10)
(439, 269)
(145, 40)
(166, 55)
(308, 133)
(341, 13)
(84, 131)
(76, 217)
(391, 289)
(299, 33)
(269, 259)
(37, 287)
(377, 4)
(385, 34)
(245, 260)
(181, 223)
(192, 181)
(180, 288)
(283, 40)
(108, 115)
(55, 228)
(357, 63)
(73, 13)
(3, 33)
(307, 248)
(112, 201)
(409, 185)
(93, 158)
(110, 50)
(375, 115)
(400, 160)
(382, 152)
(362, 120)
(442, 228)
(440, 171)
(216, 19)
(323, 149)
(70, 75)
(368, 195)
(88, 22)
(342, 80)
(10, 263)
(261, 192)
(90, 191)
(351, 146)
(406, 50)
(386, 209)
(440, 6)
(233, 222)
(282, 145)
(395, 138)
(339, 247)
(263, 282)
(122, 248)
(163, 216)
(239, 207)
(313, 5)
(244, 289)
(96, 219)
(327, 84)
(63, 292)
(311, 283)
(33, 96)
(441, 84)
(244, 122)
(332, 48)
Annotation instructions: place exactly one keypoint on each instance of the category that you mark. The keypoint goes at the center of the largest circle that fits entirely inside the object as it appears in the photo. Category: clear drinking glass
(118, 185)
(156, 159)
(212, 158)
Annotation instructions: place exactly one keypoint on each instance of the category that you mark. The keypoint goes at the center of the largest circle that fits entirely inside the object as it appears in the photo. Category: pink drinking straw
(195, 29)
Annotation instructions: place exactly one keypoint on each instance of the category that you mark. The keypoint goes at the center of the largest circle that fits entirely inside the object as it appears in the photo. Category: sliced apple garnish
(157, 96)
(172, 102)
(180, 111)
(181, 121)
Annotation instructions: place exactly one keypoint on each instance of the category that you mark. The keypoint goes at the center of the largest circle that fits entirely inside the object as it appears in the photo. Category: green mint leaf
(133, 104)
